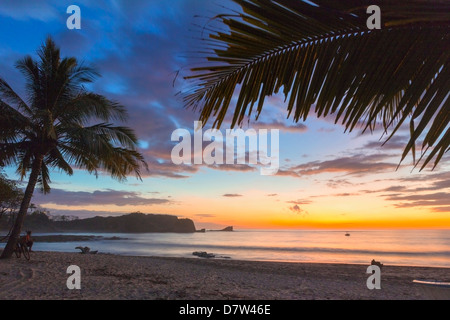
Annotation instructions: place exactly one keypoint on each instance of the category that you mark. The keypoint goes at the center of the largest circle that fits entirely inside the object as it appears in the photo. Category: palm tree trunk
(15, 233)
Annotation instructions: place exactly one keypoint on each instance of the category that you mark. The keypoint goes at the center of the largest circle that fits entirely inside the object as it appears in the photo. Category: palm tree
(323, 57)
(54, 128)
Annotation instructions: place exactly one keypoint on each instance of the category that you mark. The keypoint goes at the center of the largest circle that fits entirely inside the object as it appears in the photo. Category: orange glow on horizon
(240, 213)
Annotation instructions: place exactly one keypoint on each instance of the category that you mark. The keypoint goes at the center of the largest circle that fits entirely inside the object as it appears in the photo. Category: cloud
(437, 185)
(25, 9)
(421, 190)
(356, 165)
(417, 183)
(338, 183)
(83, 214)
(397, 142)
(232, 195)
(107, 197)
(426, 177)
(233, 167)
(272, 195)
(296, 209)
(345, 194)
(158, 167)
(300, 201)
(421, 200)
(136, 49)
(395, 189)
(326, 130)
(205, 215)
(282, 126)
(441, 209)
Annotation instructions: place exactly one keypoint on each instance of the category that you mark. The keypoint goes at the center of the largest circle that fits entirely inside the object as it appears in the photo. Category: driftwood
(86, 250)
(203, 254)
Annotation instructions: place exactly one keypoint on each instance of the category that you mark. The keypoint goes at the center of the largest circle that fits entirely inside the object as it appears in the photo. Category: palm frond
(321, 55)
(10, 152)
(122, 162)
(8, 95)
(75, 155)
(44, 179)
(104, 146)
(24, 161)
(30, 70)
(70, 80)
(12, 123)
(55, 159)
(116, 135)
(85, 106)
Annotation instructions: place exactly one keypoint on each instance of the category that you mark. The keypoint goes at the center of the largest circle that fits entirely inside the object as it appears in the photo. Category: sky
(328, 178)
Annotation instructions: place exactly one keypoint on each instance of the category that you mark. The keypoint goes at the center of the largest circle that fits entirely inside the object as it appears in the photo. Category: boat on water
(347, 234)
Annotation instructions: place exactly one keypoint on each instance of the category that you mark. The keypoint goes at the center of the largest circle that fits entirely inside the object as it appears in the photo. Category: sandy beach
(105, 276)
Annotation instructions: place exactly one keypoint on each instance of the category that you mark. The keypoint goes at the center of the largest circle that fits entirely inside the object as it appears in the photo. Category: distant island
(130, 223)
(73, 238)
(227, 229)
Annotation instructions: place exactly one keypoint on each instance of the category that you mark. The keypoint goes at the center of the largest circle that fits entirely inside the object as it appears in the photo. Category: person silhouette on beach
(26, 240)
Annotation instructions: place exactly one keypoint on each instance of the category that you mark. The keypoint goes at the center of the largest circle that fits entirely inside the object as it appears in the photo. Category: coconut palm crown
(61, 126)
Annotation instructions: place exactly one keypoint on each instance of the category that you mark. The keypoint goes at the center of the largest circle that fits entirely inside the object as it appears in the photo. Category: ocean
(394, 247)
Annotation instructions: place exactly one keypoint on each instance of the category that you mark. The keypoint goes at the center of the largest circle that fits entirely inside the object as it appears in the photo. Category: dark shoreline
(72, 238)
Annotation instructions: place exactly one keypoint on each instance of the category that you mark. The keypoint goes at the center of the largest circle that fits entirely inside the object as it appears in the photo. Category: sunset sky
(327, 178)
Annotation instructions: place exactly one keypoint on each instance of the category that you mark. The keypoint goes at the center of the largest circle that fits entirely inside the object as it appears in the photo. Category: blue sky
(138, 46)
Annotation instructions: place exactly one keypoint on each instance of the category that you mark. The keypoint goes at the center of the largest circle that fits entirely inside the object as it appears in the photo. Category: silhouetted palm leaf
(321, 55)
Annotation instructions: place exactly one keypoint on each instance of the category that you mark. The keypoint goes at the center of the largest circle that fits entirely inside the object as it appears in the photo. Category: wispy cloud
(24, 10)
(421, 200)
(441, 209)
(298, 210)
(356, 165)
(397, 142)
(233, 167)
(422, 190)
(99, 197)
(300, 201)
(82, 214)
(205, 215)
(232, 195)
(280, 125)
(338, 183)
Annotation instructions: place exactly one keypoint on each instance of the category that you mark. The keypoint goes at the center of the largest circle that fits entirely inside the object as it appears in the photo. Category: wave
(300, 249)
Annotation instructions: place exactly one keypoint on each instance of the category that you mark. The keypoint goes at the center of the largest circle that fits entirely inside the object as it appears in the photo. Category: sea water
(393, 247)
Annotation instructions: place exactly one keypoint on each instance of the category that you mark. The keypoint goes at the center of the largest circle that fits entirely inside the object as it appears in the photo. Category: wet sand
(106, 276)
